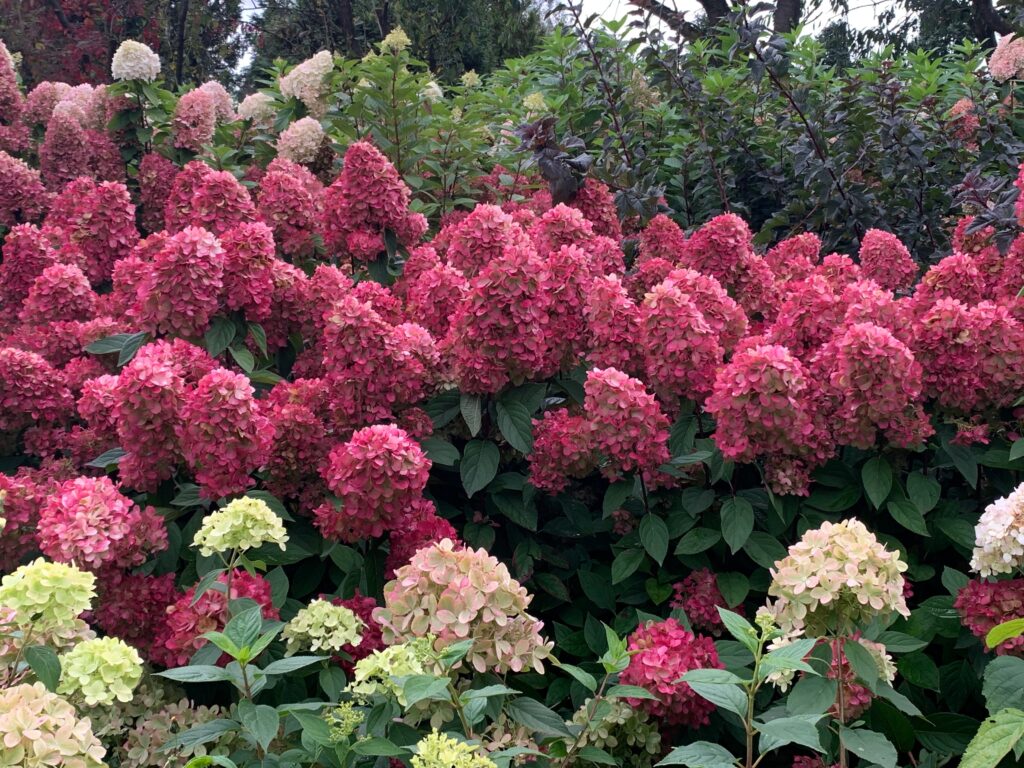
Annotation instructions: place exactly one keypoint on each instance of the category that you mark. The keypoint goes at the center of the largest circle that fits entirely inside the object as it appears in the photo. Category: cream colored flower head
(39, 729)
(308, 82)
(100, 671)
(535, 102)
(999, 536)
(432, 92)
(438, 750)
(470, 79)
(322, 626)
(48, 594)
(135, 61)
(374, 673)
(300, 141)
(396, 41)
(835, 578)
(258, 108)
(243, 524)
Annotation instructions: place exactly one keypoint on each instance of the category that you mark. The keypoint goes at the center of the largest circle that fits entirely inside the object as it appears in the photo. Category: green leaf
(205, 583)
(945, 733)
(244, 628)
(375, 746)
(314, 728)
(870, 746)
(472, 412)
(440, 451)
(918, 669)
(739, 628)
(490, 691)
(593, 754)
(1004, 683)
(108, 458)
(954, 580)
(538, 718)
(243, 357)
(789, 658)
(964, 460)
(581, 676)
(734, 587)
(45, 665)
(906, 513)
(712, 676)
(811, 696)
(260, 720)
(200, 734)
(997, 736)
(616, 496)
(1016, 450)
(728, 696)
(515, 425)
(1008, 630)
(654, 537)
(924, 491)
(877, 477)
(223, 642)
(625, 564)
(259, 336)
(291, 664)
(799, 729)
(764, 549)
(697, 540)
(456, 652)
(417, 688)
(197, 673)
(700, 754)
(629, 692)
(219, 335)
(899, 642)
(131, 345)
(737, 522)
(108, 345)
(479, 465)
(862, 663)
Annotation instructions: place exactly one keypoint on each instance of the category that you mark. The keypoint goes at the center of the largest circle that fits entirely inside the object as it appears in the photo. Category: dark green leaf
(924, 491)
(479, 465)
(798, 729)
(870, 746)
(654, 537)
(417, 688)
(700, 754)
(45, 665)
(130, 347)
(108, 458)
(515, 425)
(877, 477)
(697, 540)
(472, 412)
(260, 720)
(625, 564)
(906, 513)
(737, 522)
(291, 664)
(219, 335)
(536, 717)
(1004, 683)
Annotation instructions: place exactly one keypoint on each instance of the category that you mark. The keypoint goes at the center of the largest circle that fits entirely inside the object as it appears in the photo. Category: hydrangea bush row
(317, 455)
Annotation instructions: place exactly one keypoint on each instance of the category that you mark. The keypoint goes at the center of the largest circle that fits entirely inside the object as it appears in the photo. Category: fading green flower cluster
(535, 102)
(395, 41)
(47, 595)
(143, 747)
(14, 632)
(100, 671)
(243, 524)
(374, 673)
(344, 720)
(835, 578)
(437, 750)
(39, 729)
(622, 731)
(470, 78)
(322, 626)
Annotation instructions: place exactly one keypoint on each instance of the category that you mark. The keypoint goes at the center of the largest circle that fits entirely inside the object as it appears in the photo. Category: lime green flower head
(395, 41)
(437, 750)
(535, 102)
(100, 671)
(374, 673)
(47, 594)
(243, 524)
(322, 626)
(470, 79)
(343, 721)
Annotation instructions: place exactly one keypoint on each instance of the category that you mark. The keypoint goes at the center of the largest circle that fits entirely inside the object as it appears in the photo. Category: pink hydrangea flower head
(224, 437)
(194, 120)
(300, 446)
(64, 154)
(98, 220)
(724, 315)
(31, 391)
(876, 383)
(647, 274)
(456, 593)
(376, 475)
(179, 291)
(984, 605)
(300, 142)
(156, 178)
(807, 316)
(560, 226)
(61, 292)
(981, 246)
(867, 302)
(1007, 60)
(188, 619)
(248, 275)
(613, 323)
(662, 238)
(721, 248)
(97, 402)
(662, 652)
(567, 276)
(795, 257)
(681, 349)
(606, 256)
(884, 259)
(955, 277)
(23, 198)
(223, 106)
(419, 527)
(480, 237)
(838, 270)
(434, 296)
(501, 334)
(41, 100)
(597, 204)
(289, 202)
(964, 122)
(133, 606)
(699, 597)
(27, 252)
(766, 405)
(630, 431)
(203, 197)
(1008, 282)
(368, 197)
(13, 131)
(562, 449)
(89, 523)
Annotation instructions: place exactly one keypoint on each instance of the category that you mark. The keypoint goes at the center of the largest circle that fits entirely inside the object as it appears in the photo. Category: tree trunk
(988, 21)
(342, 12)
(179, 64)
(675, 20)
(787, 15)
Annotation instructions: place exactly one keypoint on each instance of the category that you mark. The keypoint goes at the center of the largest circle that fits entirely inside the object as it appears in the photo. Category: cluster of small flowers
(622, 731)
(999, 536)
(699, 598)
(322, 626)
(984, 605)
(662, 652)
(241, 525)
(438, 750)
(1007, 60)
(307, 82)
(456, 594)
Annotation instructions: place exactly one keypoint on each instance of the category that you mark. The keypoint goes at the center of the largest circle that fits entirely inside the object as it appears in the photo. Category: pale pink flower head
(884, 259)
(458, 594)
(999, 536)
(837, 577)
(377, 475)
(89, 523)
(1007, 60)
(300, 141)
(223, 106)
(955, 277)
(194, 120)
(661, 653)
(41, 100)
(308, 82)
